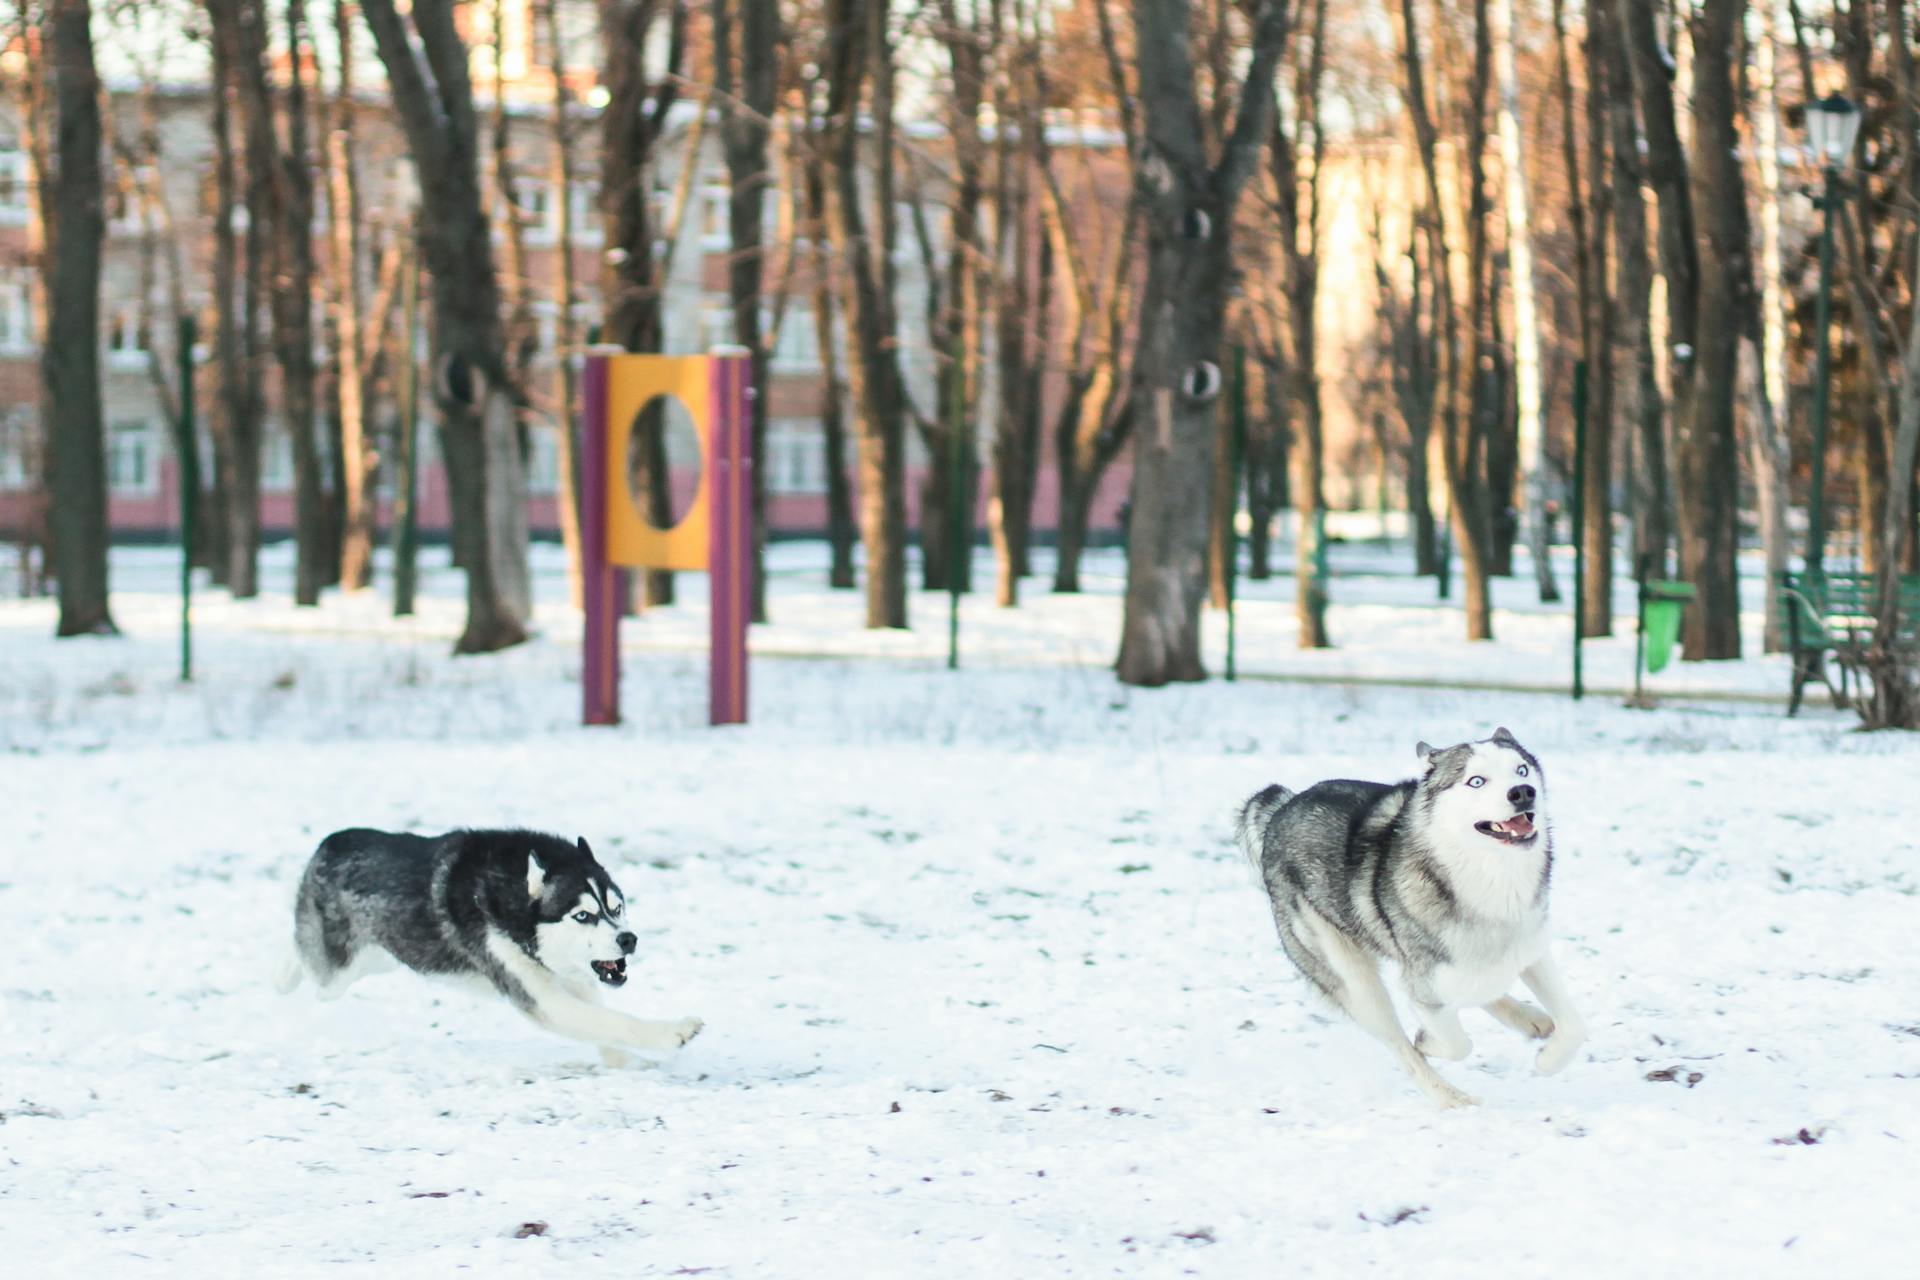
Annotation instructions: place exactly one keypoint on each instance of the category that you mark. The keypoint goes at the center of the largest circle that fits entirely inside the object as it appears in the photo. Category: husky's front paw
(1559, 1049)
(686, 1029)
(1449, 1098)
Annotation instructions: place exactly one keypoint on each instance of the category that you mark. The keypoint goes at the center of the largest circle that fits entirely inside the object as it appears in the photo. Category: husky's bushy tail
(1250, 827)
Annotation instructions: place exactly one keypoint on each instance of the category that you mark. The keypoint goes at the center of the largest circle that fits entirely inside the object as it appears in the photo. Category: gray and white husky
(532, 917)
(1445, 875)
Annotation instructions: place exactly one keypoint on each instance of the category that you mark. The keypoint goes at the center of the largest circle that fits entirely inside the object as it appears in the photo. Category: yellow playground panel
(631, 382)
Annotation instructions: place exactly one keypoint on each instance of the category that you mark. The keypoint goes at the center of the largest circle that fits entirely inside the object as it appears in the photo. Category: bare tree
(352, 350)
(633, 122)
(1589, 219)
(1526, 326)
(1021, 297)
(859, 47)
(293, 305)
(1463, 428)
(746, 118)
(1706, 258)
(1188, 199)
(70, 357)
(1642, 401)
(1297, 161)
(561, 182)
(242, 271)
(433, 97)
(1094, 418)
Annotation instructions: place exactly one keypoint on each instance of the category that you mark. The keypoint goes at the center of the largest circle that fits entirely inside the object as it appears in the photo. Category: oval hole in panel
(663, 462)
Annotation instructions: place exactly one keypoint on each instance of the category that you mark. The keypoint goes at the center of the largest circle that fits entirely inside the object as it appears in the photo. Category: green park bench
(1833, 612)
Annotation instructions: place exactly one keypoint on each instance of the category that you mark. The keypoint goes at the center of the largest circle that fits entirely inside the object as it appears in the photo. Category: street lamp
(1832, 124)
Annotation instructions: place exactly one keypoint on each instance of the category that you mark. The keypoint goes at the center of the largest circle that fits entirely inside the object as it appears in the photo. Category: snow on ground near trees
(987, 990)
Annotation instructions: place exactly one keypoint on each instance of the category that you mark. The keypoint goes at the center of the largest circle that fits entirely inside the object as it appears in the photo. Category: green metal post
(1236, 456)
(189, 453)
(1579, 519)
(1823, 358)
(406, 532)
(956, 423)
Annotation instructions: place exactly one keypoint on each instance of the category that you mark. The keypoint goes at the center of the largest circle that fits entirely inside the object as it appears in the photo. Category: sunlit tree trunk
(70, 356)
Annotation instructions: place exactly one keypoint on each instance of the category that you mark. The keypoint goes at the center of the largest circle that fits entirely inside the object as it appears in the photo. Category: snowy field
(987, 991)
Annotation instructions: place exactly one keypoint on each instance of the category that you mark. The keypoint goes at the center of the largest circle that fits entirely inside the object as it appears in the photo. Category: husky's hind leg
(326, 944)
(1529, 1020)
(1359, 991)
(291, 971)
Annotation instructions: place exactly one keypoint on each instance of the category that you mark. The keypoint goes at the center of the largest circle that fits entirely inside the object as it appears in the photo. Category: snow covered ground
(987, 991)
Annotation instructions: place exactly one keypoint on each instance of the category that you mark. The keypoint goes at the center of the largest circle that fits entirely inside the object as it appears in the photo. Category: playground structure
(714, 534)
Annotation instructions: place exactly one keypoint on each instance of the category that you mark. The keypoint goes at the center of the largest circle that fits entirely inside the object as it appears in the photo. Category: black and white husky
(530, 916)
(1445, 875)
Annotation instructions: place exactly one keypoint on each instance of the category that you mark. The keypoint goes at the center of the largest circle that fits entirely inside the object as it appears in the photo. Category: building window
(798, 348)
(16, 425)
(276, 458)
(131, 463)
(16, 312)
(16, 186)
(716, 322)
(543, 465)
(714, 231)
(586, 213)
(127, 339)
(796, 456)
(533, 203)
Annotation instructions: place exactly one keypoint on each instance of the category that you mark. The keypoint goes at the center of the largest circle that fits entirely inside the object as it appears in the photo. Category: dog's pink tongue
(1520, 825)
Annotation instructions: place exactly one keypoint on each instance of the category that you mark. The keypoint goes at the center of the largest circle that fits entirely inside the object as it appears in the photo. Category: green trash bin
(1661, 604)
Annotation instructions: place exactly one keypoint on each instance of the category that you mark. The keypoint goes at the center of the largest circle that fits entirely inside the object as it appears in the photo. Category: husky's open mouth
(611, 972)
(1515, 830)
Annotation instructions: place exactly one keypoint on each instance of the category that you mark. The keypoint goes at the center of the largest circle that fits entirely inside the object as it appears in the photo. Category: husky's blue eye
(584, 917)
(1523, 771)
(613, 910)
(1476, 781)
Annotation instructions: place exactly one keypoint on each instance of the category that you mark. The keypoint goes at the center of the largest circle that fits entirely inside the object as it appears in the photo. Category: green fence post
(1579, 518)
(406, 533)
(189, 453)
(1236, 455)
(956, 424)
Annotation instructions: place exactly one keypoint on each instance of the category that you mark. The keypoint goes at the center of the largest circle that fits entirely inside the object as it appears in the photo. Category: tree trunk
(841, 530)
(1589, 218)
(1267, 460)
(1462, 441)
(1189, 205)
(485, 471)
(237, 39)
(745, 123)
(70, 358)
(1767, 434)
(293, 313)
(343, 196)
(859, 46)
(1643, 408)
(632, 277)
(1707, 440)
(1009, 506)
(1526, 325)
(1296, 164)
(566, 330)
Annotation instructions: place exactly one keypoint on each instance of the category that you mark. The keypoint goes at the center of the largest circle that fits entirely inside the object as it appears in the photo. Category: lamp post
(1832, 124)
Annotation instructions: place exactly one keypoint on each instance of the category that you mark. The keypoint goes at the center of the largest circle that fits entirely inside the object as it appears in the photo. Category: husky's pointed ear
(1425, 753)
(536, 877)
(581, 843)
(1502, 738)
